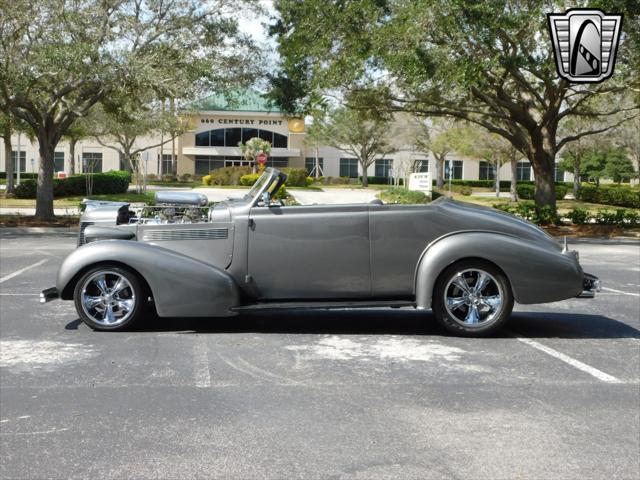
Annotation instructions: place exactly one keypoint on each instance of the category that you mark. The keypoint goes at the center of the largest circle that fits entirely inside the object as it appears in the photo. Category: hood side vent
(185, 234)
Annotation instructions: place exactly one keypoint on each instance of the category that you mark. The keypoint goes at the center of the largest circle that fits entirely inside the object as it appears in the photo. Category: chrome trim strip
(185, 234)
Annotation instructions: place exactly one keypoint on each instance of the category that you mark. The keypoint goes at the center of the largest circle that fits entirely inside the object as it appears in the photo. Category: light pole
(18, 160)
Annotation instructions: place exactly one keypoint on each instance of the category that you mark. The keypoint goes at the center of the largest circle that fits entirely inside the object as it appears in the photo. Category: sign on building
(420, 182)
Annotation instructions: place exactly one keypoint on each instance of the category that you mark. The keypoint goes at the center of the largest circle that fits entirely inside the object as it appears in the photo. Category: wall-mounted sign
(296, 125)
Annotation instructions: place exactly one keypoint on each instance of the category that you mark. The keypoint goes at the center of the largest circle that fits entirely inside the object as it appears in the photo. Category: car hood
(468, 216)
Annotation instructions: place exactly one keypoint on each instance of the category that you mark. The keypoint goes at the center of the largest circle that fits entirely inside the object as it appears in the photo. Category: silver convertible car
(183, 258)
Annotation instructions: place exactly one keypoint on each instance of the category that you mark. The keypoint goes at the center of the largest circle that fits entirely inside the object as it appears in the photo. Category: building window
(559, 174)
(457, 169)
(421, 166)
(383, 167)
(310, 165)
(487, 171)
(278, 162)
(205, 164)
(231, 137)
(349, 167)
(23, 160)
(58, 162)
(91, 162)
(523, 171)
(167, 165)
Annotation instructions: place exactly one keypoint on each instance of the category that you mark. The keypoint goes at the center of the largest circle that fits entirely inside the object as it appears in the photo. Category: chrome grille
(83, 226)
(185, 234)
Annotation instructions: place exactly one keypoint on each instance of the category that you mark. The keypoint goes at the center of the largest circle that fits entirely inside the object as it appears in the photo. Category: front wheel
(109, 297)
(472, 298)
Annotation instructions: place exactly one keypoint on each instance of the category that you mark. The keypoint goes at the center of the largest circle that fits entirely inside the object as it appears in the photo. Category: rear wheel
(109, 297)
(472, 298)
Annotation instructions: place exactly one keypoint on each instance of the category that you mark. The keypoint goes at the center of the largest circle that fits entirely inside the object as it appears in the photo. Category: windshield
(260, 183)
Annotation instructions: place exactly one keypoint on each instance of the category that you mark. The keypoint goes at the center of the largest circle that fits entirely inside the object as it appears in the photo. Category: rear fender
(181, 286)
(536, 274)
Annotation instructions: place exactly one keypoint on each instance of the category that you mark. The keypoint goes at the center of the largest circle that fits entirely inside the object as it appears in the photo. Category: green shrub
(579, 216)
(296, 177)
(206, 180)
(632, 218)
(169, 177)
(23, 175)
(622, 196)
(76, 185)
(527, 191)
(541, 216)
(249, 180)
(380, 180)
(308, 181)
(334, 180)
(461, 189)
(186, 177)
(403, 196)
(152, 177)
(228, 175)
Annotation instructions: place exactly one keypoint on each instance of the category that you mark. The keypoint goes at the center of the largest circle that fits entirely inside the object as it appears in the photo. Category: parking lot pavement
(326, 394)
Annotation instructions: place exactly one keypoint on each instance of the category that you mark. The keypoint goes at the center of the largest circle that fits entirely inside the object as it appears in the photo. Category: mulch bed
(605, 231)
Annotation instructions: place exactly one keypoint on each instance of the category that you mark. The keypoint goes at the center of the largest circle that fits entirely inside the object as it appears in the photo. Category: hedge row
(23, 175)
(617, 195)
(578, 216)
(294, 180)
(76, 185)
(401, 195)
(527, 191)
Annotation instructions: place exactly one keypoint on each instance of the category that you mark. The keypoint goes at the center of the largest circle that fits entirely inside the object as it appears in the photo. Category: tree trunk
(439, 172)
(8, 161)
(543, 167)
(365, 176)
(72, 153)
(44, 195)
(497, 179)
(513, 191)
(317, 163)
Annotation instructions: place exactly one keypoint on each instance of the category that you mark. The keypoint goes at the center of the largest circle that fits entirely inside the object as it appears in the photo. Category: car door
(309, 252)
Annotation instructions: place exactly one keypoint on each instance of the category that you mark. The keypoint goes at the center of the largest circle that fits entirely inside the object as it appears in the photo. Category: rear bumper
(590, 285)
(49, 294)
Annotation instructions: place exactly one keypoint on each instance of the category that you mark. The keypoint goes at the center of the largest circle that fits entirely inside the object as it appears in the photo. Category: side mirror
(266, 198)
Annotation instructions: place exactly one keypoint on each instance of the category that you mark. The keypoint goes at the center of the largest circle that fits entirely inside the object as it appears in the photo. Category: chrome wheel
(473, 298)
(108, 298)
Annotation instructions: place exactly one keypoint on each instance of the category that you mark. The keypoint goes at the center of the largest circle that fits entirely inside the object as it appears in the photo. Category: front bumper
(49, 294)
(590, 285)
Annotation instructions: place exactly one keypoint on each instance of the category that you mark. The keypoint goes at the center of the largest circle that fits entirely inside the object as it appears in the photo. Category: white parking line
(599, 374)
(621, 292)
(201, 363)
(22, 270)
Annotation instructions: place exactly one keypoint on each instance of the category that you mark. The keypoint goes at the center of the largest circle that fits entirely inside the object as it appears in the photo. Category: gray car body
(249, 254)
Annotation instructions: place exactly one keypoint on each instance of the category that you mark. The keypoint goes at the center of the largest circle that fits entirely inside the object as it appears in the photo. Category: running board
(324, 305)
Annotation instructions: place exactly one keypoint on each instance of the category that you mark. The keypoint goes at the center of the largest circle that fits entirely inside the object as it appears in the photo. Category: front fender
(181, 286)
(536, 273)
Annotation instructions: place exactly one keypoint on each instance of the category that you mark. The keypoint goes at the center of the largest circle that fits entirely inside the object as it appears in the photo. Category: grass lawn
(73, 202)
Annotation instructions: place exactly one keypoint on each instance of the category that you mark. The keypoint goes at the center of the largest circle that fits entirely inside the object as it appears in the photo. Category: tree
(254, 147)
(356, 133)
(593, 165)
(618, 166)
(120, 124)
(489, 63)
(313, 138)
(10, 125)
(441, 136)
(59, 58)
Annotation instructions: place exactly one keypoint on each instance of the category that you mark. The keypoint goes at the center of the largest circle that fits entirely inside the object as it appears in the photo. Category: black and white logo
(585, 42)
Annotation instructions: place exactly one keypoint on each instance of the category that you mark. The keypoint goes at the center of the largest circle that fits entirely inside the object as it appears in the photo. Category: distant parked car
(184, 259)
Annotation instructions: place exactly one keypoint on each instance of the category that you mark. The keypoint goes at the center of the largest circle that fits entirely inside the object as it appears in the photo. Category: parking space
(373, 393)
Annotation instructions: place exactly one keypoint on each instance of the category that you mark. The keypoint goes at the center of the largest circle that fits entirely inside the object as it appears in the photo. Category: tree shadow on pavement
(384, 322)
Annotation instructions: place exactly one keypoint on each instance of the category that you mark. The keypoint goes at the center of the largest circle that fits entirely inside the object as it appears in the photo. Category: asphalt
(367, 394)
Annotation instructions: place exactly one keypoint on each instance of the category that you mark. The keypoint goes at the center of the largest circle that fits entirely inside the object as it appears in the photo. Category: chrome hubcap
(473, 298)
(108, 298)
